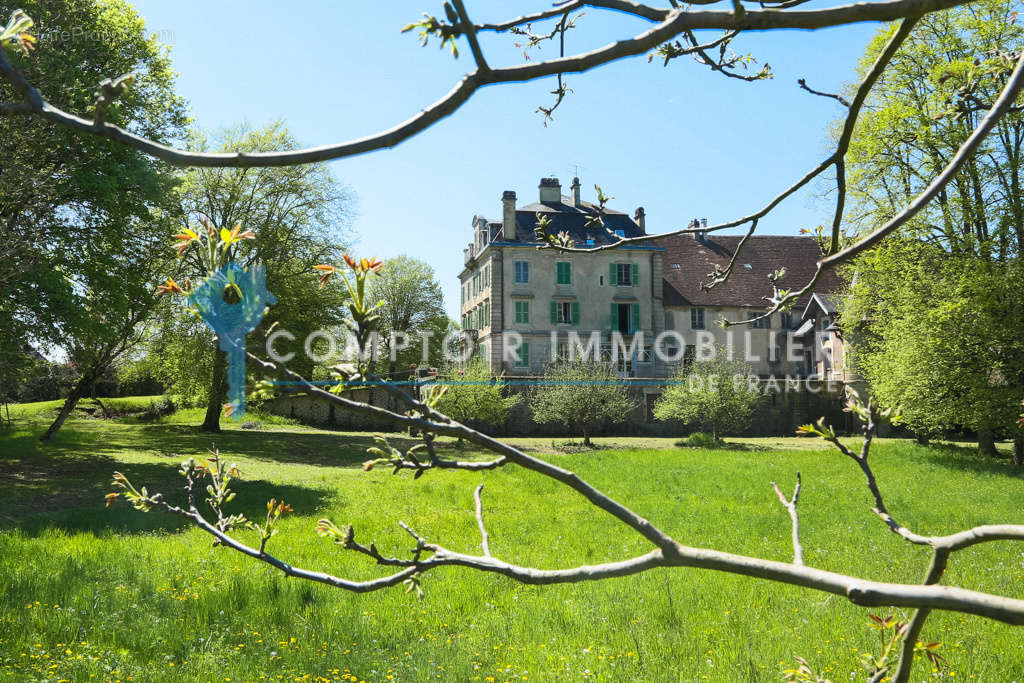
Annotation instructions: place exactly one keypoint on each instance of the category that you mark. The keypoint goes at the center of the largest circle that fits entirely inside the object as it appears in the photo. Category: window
(620, 233)
(624, 274)
(485, 314)
(762, 324)
(590, 242)
(625, 318)
(697, 318)
(675, 266)
(563, 273)
(523, 355)
(623, 364)
(487, 275)
(476, 283)
(565, 312)
(522, 311)
(562, 350)
(786, 320)
(522, 271)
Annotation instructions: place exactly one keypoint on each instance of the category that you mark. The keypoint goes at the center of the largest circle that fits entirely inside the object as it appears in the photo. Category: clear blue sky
(680, 141)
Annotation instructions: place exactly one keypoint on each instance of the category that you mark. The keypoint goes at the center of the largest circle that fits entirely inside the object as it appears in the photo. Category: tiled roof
(748, 284)
(564, 216)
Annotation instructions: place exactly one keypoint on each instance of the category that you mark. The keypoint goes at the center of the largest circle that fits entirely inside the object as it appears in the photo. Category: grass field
(94, 593)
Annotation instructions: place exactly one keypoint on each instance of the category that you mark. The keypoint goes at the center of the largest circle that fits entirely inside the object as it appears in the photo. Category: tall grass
(111, 594)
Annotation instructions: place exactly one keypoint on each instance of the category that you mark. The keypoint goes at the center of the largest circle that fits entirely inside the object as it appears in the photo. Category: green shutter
(575, 312)
(636, 317)
(613, 274)
(554, 312)
(564, 273)
(523, 354)
(614, 317)
(635, 280)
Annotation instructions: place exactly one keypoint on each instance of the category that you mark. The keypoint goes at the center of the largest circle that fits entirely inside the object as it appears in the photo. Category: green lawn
(92, 593)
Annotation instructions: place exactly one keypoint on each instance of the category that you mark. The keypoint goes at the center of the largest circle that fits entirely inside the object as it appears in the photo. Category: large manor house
(545, 299)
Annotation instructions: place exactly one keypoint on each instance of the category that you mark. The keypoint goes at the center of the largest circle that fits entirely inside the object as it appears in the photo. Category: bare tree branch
(913, 631)
(839, 98)
(474, 44)
(673, 23)
(485, 543)
(790, 505)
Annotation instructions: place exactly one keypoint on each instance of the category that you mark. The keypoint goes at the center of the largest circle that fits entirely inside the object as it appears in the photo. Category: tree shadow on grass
(62, 485)
(968, 459)
(306, 448)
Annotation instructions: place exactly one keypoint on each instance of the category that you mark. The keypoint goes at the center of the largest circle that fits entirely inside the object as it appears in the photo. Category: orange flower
(170, 287)
(187, 237)
(228, 409)
(328, 270)
(371, 263)
(229, 237)
(209, 228)
(364, 265)
(110, 498)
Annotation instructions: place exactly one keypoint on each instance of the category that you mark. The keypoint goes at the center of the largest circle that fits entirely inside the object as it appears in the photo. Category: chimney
(576, 201)
(550, 191)
(703, 222)
(638, 217)
(698, 234)
(508, 215)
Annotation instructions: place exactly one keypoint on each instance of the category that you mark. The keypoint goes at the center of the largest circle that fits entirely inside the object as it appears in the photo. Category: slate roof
(748, 284)
(564, 216)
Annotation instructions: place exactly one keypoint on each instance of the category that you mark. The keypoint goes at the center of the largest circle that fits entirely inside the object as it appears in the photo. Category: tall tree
(935, 91)
(62, 195)
(115, 296)
(411, 305)
(921, 344)
(298, 216)
(944, 343)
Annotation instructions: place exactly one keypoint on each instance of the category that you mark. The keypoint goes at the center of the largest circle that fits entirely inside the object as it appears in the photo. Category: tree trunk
(1018, 450)
(986, 443)
(92, 393)
(218, 391)
(586, 434)
(922, 439)
(74, 396)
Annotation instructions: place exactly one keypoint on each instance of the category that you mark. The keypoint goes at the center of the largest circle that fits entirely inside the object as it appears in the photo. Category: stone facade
(527, 306)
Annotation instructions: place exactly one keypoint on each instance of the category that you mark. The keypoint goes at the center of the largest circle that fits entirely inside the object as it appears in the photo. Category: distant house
(547, 299)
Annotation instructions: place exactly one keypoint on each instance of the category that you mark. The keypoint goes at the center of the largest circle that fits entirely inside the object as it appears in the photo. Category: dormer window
(620, 233)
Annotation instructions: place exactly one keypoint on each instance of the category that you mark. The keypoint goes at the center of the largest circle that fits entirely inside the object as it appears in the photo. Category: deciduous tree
(582, 395)
(714, 394)
(473, 395)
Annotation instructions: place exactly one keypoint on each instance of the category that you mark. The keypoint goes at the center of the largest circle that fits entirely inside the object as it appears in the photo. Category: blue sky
(680, 141)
